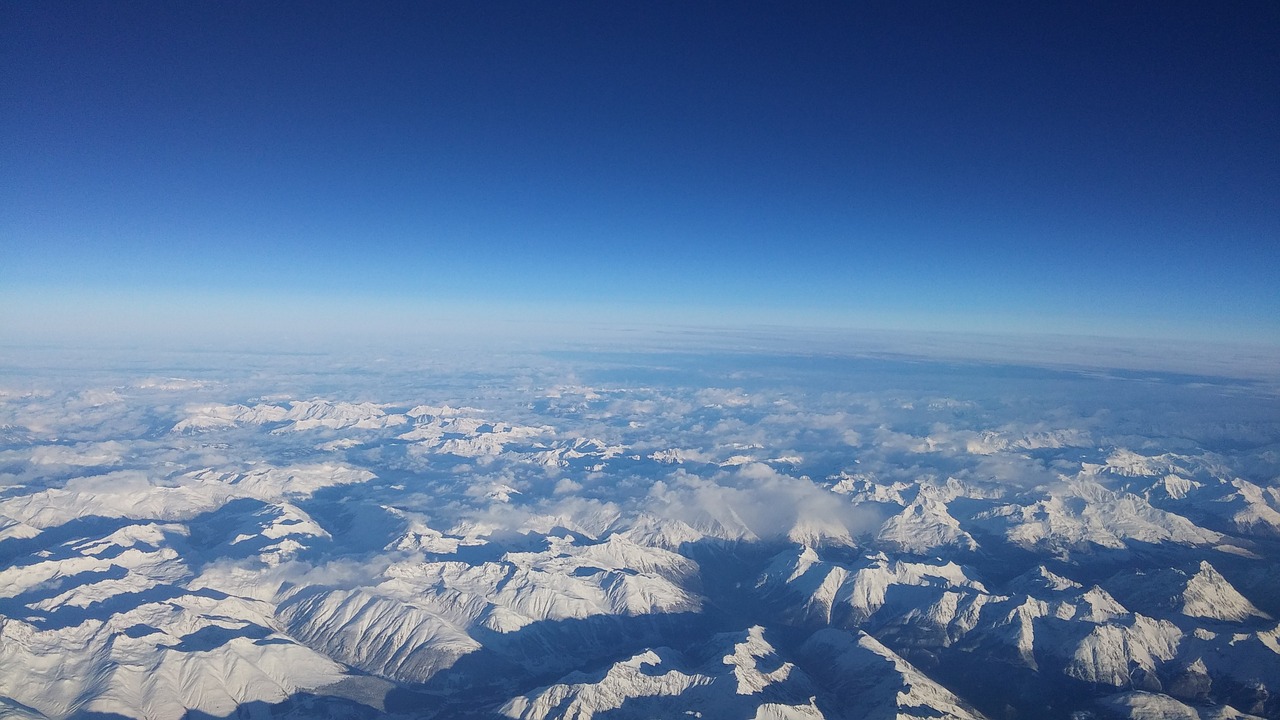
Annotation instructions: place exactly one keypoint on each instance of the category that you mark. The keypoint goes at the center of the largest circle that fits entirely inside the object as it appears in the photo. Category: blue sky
(1097, 168)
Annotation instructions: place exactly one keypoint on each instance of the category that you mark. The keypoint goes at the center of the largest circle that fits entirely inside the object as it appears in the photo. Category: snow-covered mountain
(542, 540)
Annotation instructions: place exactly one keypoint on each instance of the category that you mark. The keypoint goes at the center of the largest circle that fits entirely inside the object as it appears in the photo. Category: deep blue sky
(1107, 167)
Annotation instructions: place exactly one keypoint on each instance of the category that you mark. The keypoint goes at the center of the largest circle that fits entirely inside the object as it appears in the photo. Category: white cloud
(110, 452)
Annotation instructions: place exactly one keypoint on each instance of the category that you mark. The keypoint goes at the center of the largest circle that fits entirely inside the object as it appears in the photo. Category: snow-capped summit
(923, 526)
(1204, 593)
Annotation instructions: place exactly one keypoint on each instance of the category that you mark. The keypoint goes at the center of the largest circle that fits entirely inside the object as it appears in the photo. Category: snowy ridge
(1204, 594)
(417, 619)
(135, 495)
(1049, 624)
(743, 676)
(378, 635)
(579, 696)
(189, 652)
(298, 416)
(875, 680)
(924, 525)
(852, 594)
(1088, 514)
(1140, 705)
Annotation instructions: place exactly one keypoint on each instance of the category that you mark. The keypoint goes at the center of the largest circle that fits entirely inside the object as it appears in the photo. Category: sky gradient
(1097, 168)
